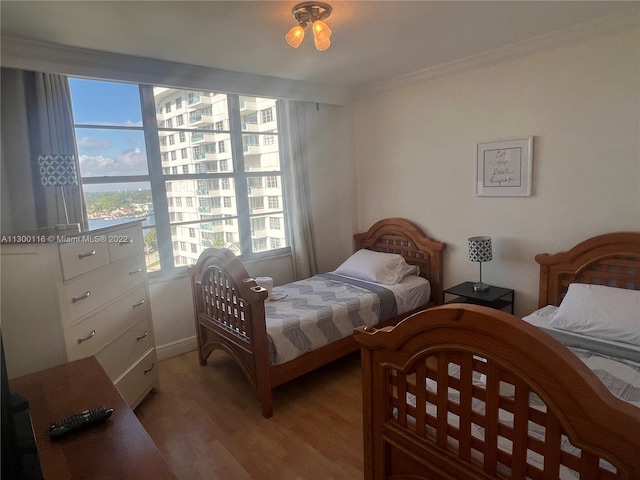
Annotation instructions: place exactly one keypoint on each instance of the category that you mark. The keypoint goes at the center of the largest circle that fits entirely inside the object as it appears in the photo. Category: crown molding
(586, 31)
(54, 58)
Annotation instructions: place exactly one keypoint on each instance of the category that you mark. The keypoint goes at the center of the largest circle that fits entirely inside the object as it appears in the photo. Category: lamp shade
(480, 249)
(57, 170)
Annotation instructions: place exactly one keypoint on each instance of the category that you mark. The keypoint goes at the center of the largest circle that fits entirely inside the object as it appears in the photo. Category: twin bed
(466, 392)
(396, 270)
(456, 391)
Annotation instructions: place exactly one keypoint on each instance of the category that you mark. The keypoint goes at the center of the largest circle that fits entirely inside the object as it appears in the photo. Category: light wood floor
(207, 422)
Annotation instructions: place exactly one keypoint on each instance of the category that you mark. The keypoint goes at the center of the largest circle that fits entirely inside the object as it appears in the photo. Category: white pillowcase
(600, 311)
(379, 267)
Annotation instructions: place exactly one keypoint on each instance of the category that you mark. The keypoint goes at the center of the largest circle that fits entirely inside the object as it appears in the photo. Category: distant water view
(95, 223)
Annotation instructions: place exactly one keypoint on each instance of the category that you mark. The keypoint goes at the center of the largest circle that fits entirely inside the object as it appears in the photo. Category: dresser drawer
(124, 243)
(124, 350)
(94, 332)
(85, 294)
(139, 379)
(82, 257)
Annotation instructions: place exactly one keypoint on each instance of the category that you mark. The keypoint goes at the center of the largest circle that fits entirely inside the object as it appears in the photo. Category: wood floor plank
(207, 422)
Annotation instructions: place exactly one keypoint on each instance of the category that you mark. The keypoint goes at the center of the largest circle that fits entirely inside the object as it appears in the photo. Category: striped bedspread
(320, 310)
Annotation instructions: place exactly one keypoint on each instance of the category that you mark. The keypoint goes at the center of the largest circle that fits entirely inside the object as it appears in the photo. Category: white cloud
(131, 162)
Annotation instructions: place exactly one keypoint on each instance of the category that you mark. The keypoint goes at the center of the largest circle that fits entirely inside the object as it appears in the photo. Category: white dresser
(65, 297)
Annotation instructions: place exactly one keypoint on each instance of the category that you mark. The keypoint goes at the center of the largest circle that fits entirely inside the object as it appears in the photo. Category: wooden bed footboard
(467, 392)
(229, 308)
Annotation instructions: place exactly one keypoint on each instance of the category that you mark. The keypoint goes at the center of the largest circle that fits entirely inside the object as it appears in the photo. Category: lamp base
(480, 287)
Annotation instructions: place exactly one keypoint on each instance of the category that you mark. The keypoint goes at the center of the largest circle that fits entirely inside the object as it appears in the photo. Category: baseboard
(176, 348)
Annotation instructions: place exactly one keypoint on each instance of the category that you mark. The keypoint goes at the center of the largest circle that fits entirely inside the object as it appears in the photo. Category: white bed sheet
(541, 318)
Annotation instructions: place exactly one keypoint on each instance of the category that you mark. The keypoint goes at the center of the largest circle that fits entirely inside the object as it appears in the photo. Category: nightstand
(494, 297)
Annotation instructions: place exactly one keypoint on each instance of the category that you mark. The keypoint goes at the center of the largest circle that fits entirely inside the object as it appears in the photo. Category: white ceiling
(372, 41)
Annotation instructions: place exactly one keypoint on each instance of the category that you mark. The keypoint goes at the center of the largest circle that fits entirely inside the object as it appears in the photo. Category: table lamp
(480, 251)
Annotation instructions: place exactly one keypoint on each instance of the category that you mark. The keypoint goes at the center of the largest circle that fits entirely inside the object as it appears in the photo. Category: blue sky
(107, 151)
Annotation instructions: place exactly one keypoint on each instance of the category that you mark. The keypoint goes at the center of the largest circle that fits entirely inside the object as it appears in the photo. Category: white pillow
(379, 267)
(600, 311)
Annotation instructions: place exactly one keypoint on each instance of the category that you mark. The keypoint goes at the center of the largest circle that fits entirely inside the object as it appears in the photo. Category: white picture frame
(504, 168)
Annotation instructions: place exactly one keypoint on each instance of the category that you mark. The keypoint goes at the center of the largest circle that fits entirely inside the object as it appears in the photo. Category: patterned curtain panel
(294, 158)
(53, 152)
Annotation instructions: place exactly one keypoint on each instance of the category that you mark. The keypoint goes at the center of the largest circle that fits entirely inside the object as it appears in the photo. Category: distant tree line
(111, 201)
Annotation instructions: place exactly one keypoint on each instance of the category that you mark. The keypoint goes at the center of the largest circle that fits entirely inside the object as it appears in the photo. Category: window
(272, 182)
(126, 171)
(266, 115)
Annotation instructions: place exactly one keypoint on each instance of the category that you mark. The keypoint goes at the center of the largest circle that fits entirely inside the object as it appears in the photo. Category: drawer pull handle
(146, 332)
(153, 365)
(135, 271)
(87, 294)
(141, 302)
(80, 340)
(85, 255)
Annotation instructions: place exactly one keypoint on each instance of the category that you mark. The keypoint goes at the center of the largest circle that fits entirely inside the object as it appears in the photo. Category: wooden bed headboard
(612, 259)
(400, 236)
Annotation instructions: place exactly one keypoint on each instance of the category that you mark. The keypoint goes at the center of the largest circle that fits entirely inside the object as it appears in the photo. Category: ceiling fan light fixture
(314, 13)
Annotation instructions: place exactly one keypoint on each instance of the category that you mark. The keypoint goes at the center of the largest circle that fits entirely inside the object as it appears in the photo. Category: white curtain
(296, 187)
(51, 133)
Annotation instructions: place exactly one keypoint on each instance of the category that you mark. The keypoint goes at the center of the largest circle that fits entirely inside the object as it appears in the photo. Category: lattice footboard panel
(222, 305)
(484, 418)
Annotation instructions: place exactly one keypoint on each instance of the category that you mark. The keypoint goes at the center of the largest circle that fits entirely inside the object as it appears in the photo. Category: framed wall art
(505, 168)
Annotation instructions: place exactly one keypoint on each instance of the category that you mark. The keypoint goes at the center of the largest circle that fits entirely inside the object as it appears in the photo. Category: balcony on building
(198, 100)
(200, 119)
(248, 105)
(203, 137)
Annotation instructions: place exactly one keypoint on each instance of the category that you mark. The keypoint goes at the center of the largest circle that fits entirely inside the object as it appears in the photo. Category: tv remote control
(79, 421)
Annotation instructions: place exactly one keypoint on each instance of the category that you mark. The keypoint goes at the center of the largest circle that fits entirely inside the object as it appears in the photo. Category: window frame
(157, 178)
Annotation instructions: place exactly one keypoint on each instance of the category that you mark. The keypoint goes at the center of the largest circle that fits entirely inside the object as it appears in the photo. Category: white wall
(415, 156)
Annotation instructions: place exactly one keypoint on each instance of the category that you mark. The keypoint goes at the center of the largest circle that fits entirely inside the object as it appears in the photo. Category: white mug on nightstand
(265, 282)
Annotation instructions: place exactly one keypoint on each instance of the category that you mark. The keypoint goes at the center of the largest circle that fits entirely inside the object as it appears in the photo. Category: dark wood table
(118, 448)
(494, 297)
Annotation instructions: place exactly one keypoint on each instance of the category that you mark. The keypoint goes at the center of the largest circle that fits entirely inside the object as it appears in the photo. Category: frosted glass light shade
(322, 45)
(321, 30)
(295, 36)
